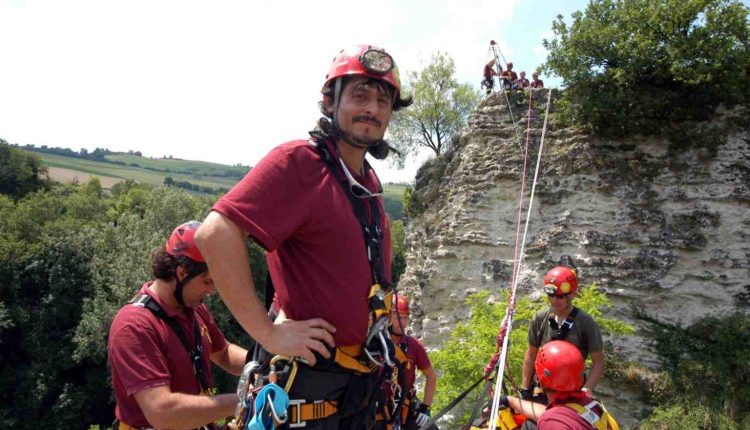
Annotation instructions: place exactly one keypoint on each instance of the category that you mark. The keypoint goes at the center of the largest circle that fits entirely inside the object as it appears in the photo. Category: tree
(20, 173)
(441, 108)
(643, 64)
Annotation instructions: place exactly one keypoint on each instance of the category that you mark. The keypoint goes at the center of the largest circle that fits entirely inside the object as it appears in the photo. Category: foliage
(706, 366)
(642, 65)
(689, 417)
(70, 257)
(462, 359)
(20, 173)
(441, 108)
(398, 264)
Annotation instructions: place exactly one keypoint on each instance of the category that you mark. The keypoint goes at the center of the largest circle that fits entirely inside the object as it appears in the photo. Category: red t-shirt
(417, 358)
(291, 205)
(559, 417)
(538, 83)
(144, 352)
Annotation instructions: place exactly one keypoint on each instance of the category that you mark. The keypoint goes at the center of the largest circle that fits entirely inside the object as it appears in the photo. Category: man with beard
(315, 206)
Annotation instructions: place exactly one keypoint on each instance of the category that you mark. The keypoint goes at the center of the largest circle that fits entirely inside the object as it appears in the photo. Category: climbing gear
(595, 414)
(559, 366)
(119, 425)
(378, 347)
(357, 189)
(560, 331)
(452, 404)
(560, 280)
(194, 352)
(498, 361)
(182, 242)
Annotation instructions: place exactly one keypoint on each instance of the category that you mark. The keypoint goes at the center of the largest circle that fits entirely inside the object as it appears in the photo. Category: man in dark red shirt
(536, 83)
(560, 369)
(508, 77)
(155, 382)
(416, 358)
(315, 206)
(522, 83)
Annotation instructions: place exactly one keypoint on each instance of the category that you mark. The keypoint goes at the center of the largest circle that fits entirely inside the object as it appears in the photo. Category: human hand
(300, 338)
(423, 414)
(527, 393)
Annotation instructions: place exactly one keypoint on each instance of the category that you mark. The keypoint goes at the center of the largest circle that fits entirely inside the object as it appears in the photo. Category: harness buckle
(295, 413)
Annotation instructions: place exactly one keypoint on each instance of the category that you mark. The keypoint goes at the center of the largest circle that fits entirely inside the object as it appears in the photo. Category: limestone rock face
(660, 224)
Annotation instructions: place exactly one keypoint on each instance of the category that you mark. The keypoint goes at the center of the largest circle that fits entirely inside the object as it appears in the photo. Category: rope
(508, 320)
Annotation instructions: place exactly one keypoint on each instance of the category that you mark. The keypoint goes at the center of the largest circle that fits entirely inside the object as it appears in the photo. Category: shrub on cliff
(640, 65)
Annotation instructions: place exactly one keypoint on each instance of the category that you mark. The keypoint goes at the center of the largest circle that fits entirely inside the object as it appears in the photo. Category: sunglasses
(358, 190)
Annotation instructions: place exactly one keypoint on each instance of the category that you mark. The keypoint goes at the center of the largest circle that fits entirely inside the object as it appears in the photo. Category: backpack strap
(595, 414)
(563, 329)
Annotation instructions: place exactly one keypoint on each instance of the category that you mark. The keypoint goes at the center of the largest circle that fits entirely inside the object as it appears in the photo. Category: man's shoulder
(133, 318)
(583, 316)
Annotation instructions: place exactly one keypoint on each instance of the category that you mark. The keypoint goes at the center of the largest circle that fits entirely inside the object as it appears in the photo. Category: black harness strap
(561, 331)
(195, 353)
(371, 230)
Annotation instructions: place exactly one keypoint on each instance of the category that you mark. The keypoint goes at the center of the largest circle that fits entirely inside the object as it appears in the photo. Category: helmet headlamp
(376, 61)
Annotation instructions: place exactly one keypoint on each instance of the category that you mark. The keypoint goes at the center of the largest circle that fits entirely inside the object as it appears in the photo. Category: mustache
(367, 119)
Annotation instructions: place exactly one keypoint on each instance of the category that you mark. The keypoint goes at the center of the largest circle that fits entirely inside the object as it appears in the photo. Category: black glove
(504, 402)
(527, 393)
(423, 414)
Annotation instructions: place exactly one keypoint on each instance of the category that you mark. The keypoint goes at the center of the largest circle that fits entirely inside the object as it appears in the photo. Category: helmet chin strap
(346, 137)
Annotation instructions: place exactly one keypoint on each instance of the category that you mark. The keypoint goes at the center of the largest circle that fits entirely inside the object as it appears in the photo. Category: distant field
(68, 176)
(172, 164)
(102, 169)
(64, 169)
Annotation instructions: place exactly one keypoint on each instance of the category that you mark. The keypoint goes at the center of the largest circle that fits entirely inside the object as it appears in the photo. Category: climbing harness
(194, 352)
(595, 414)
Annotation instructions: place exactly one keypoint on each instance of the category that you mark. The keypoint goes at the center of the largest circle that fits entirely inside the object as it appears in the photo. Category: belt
(347, 357)
(119, 425)
(301, 411)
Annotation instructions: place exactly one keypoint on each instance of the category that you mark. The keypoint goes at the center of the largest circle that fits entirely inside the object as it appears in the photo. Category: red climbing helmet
(182, 242)
(401, 304)
(559, 366)
(365, 60)
(560, 280)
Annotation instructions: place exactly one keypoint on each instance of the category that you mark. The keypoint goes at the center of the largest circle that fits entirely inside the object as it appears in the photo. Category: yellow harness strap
(603, 422)
(299, 412)
(347, 357)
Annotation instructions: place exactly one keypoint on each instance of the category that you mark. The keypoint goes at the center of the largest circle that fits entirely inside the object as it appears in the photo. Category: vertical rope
(508, 320)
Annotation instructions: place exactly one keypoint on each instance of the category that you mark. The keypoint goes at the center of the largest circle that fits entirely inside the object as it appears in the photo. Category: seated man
(536, 83)
(508, 77)
(560, 369)
(521, 83)
(161, 377)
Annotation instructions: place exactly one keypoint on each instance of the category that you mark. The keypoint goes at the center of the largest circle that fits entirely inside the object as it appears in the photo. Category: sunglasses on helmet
(358, 190)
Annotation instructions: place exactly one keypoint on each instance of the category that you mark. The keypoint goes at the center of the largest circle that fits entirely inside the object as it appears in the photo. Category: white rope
(509, 315)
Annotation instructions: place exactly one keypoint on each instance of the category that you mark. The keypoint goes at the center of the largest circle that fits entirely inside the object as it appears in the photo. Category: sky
(227, 80)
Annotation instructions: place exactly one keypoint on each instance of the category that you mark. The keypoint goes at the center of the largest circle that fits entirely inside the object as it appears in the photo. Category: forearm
(527, 370)
(184, 411)
(222, 244)
(595, 374)
(231, 359)
(429, 388)
(528, 409)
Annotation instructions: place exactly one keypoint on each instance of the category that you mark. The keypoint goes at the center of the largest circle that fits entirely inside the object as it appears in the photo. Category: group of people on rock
(315, 206)
(509, 80)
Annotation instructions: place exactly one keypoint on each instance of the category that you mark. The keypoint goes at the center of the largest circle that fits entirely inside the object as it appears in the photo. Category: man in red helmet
(536, 83)
(162, 343)
(560, 369)
(416, 358)
(563, 321)
(314, 205)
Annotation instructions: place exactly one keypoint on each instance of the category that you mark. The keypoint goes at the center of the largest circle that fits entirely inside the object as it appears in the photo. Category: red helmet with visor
(560, 280)
(365, 60)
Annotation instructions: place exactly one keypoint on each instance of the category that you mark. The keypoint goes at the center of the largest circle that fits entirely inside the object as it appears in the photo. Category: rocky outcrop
(661, 224)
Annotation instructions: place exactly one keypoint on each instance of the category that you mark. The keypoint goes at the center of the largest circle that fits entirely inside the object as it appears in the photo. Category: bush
(636, 66)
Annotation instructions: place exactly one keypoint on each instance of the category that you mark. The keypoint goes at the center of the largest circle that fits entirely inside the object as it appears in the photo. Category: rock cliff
(661, 224)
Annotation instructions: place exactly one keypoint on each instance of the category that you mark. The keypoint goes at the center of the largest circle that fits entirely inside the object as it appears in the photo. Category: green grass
(129, 172)
(178, 165)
